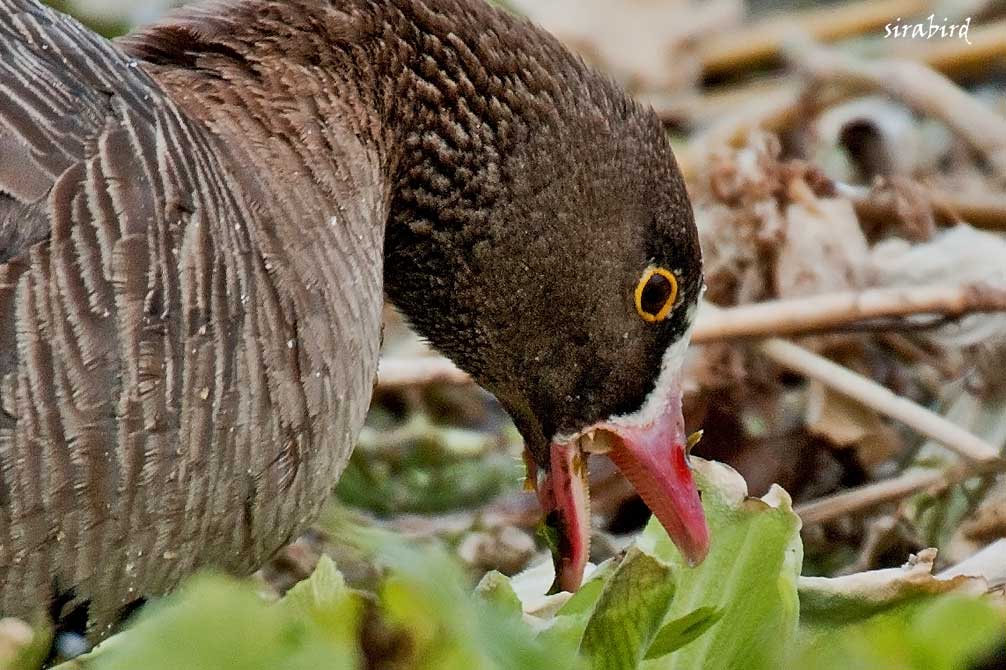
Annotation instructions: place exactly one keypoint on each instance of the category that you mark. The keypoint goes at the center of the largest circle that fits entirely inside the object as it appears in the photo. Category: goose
(201, 221)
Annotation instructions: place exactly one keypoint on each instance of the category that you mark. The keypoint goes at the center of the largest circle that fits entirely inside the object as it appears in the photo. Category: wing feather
(114, 206)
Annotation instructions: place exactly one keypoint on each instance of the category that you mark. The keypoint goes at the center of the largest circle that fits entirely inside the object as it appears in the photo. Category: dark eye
(656, 294)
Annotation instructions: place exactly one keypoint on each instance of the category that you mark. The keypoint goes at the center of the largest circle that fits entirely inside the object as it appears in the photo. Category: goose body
(185, 358)
(198, 226)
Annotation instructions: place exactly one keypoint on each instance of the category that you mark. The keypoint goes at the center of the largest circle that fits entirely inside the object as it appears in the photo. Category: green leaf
(215, 623)
(647, 611)
(422, 617)
(105, 27)
(739, 609)
(566, 628)
(945, 633)
(749, 577)
(585, 600)
(446, 626)
(679, 632)
(325, 600)
(495, 588)
(629, 612)
(504, 4)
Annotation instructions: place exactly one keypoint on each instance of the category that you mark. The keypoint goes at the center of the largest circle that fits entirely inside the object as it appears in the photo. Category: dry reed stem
(755, 43)
(775, 103)
(880, 399)
(868, 496)
(811, 315)
(982, 209)
(772, 111)
(701, 109)
(397, 373)
(831, 312)
(955, 57)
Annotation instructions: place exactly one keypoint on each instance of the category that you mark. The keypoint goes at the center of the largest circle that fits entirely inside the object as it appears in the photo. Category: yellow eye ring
(656, 294)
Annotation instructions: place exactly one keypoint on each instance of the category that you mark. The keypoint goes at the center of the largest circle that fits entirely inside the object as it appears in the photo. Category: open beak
(652, 456)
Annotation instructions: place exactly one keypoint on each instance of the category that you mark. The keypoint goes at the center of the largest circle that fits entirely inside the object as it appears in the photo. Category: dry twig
(396, 373)
(774, 111)
(701, 109)
(755, 43)
(951, 57)
(889, 490)
(880, 399)
(772, 107)
(869, 496)
(984, 45)
(835, 311)
(982, 209)
(989, 563)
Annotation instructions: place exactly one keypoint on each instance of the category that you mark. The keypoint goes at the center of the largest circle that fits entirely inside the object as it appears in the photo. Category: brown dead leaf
(842, 421)
(849, 424)
(771, 228)
(825, 249)
(988, 522)
(989, 563)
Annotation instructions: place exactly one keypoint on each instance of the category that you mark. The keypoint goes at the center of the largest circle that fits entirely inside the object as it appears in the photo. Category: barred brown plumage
(152, 405)
(197, 225)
